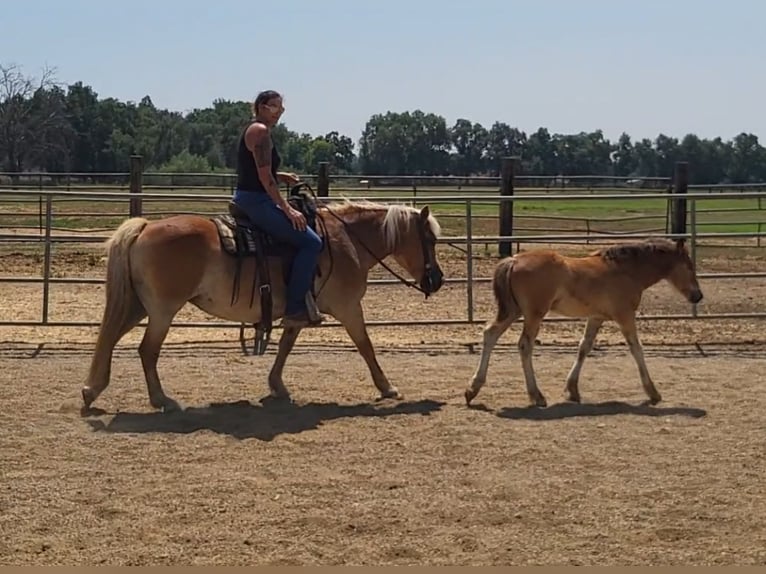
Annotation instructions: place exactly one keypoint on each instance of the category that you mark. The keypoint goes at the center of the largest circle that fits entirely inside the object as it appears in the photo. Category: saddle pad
(236, 239)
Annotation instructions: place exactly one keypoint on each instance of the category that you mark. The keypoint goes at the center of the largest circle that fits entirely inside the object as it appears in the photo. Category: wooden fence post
(323, 179)
(507, 174)
(678, 205)
(136, 185)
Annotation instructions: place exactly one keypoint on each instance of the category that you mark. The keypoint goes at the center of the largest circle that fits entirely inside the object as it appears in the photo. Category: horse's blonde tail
(507, 305)
(123, 309)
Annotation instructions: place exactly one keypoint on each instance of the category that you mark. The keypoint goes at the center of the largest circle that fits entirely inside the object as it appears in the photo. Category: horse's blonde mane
(395, 222)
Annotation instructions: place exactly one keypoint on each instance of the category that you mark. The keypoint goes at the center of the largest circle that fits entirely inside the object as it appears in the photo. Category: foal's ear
(680, 242)
(425, 212)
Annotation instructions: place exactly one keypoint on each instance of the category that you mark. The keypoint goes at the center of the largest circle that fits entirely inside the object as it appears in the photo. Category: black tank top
(247, 171)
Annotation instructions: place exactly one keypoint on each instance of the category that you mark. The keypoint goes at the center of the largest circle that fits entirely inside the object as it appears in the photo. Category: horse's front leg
(286, 343)
(352, 318)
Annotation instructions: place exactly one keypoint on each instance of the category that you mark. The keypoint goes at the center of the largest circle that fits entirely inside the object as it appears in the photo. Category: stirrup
(261, 342)
(313, 311)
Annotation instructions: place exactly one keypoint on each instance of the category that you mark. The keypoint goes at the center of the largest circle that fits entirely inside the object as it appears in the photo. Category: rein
(404, 280)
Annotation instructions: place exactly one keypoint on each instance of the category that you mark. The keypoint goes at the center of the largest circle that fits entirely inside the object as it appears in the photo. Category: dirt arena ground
(340, 478)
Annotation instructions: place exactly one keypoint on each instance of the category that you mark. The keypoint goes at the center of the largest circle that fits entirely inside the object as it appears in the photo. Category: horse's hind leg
(628, 328)
(586, 345)
(526, 346)
(101, 364)
(491, 335)
(156, 330)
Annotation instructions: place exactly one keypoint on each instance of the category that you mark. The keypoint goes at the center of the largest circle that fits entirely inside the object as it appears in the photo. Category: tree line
(48, 126)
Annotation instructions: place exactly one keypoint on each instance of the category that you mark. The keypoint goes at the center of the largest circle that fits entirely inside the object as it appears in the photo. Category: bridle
(426, 284)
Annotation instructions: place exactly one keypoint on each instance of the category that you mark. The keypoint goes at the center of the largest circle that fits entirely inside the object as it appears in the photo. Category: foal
(604, 285)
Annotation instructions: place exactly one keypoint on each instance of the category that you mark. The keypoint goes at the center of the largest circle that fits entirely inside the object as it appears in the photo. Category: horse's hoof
(654, 400)
(574, 398)
(171, 406)
(469, 394)
(87, 397)
(392, 394)
(166, 405)
(281, 397)
(540, 402)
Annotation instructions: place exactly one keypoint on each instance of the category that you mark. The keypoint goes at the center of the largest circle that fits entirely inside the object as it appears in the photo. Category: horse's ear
(680, 242)
(425, 212)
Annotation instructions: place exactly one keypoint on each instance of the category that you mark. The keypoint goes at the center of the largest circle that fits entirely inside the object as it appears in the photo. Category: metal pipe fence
(46, 199)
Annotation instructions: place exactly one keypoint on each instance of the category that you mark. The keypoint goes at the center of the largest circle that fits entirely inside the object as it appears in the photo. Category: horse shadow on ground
(264, 421)
(565, 410)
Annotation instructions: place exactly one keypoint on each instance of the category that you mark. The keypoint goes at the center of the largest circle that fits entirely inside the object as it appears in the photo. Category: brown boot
(315, 317)
(300, 320)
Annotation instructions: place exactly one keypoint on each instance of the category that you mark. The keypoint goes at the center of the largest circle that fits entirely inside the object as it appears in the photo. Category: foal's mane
(654, 248)
(395, 223)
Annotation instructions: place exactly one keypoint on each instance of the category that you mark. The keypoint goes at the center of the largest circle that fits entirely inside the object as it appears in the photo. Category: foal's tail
(507, 305)
(123, 309)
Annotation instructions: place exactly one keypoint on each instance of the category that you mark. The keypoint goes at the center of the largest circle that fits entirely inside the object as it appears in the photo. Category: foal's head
(683, 275)
(411, 236)
(658, 258)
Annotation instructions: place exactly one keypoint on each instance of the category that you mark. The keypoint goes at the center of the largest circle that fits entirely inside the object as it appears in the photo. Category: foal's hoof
(470, 395)
(655, 399)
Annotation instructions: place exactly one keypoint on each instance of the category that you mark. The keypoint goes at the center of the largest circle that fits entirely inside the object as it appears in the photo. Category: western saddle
(242, 239)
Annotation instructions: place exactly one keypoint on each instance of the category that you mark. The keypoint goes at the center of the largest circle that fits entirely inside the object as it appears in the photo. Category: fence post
(680, 186)
(469, 258)
(323, 179)
(136, 184)
(47, 256)
(507, 175)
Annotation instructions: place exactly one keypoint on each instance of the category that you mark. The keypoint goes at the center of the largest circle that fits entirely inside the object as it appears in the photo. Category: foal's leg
(353, 320)
(526, 346)
(586, 345)
(628, 328)
(286, 343)
(491, 335)
(149, 350)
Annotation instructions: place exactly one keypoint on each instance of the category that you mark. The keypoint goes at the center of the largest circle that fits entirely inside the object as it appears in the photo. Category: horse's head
(412, 236)
(683, 275)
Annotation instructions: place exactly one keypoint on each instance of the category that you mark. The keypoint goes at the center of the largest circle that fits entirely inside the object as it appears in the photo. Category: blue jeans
(265, 214)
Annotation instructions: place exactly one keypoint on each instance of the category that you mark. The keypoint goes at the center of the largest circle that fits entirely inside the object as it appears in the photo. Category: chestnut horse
(155, 267)
(604, 285)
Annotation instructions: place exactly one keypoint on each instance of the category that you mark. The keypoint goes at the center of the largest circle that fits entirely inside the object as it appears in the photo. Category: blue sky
(641, 67)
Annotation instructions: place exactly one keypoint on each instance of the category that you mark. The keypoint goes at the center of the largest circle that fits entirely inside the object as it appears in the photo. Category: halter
(429, 263)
